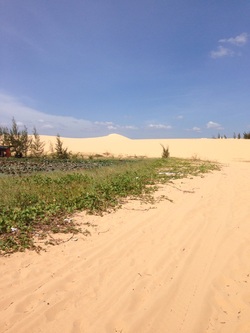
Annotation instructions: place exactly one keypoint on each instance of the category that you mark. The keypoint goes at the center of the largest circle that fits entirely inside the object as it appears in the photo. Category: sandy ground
(117, 145)
(168, 267)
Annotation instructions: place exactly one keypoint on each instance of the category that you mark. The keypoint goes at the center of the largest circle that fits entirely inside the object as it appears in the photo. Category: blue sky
(142, 69)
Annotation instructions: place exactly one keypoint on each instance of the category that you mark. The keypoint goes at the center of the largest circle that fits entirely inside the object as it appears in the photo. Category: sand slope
(166, 267)
(214, 149)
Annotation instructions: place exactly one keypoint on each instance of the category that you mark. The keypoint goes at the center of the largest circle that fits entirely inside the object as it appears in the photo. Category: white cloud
(110, 125)
(239, 40)
(47, 124)
(221, 52)
(159, 126)
(180, 117)
(196, 129)
(131, 127)
(213, 125)
(105, 123)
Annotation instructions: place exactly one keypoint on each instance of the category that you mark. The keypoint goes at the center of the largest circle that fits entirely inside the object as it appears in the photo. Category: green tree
(246, 135)
(25, 141)
(60, 151)
(17, 139)
(37, 146)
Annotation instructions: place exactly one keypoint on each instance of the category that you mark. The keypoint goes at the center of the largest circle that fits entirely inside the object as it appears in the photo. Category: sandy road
(180, 267)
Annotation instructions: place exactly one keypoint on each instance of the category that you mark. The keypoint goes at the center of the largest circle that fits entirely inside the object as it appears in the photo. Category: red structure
(5, 151)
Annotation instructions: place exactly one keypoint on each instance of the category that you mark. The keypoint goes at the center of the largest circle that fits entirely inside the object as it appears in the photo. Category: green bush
(165, 152)
(246, 135)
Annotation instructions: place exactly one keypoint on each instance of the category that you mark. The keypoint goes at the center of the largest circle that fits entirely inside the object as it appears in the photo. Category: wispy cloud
(107, 124)
(112, 126)
(213, 125)
(130, 127)
(159, 126)
(222, 51)
(47, 124)
(196, 129)
(239, 40)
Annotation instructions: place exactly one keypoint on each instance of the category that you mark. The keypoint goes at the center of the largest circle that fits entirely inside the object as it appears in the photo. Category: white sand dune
(169, 267)
(117, 145)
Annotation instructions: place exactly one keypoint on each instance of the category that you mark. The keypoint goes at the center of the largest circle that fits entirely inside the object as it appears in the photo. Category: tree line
(245, 135)
(23, 144)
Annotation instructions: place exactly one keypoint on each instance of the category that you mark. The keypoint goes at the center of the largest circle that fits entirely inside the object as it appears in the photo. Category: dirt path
(180, 267)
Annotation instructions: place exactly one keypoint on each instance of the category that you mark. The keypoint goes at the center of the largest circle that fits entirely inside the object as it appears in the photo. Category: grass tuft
(165, 152)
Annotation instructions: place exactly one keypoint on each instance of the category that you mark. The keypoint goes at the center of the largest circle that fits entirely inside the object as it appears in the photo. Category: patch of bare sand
(222, 150)
(165, 267)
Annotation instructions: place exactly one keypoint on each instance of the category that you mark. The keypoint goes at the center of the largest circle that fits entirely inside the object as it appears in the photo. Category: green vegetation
(246, 135)
(165, 152)
(23, 144)
(60, 151)
(17, 139)
(36, 145)
(13, 166)
(39, 202)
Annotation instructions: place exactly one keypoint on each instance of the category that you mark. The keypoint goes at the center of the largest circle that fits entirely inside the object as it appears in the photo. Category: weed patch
(37, 203)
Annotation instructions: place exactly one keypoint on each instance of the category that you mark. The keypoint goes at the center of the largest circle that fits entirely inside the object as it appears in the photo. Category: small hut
(5, 151)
